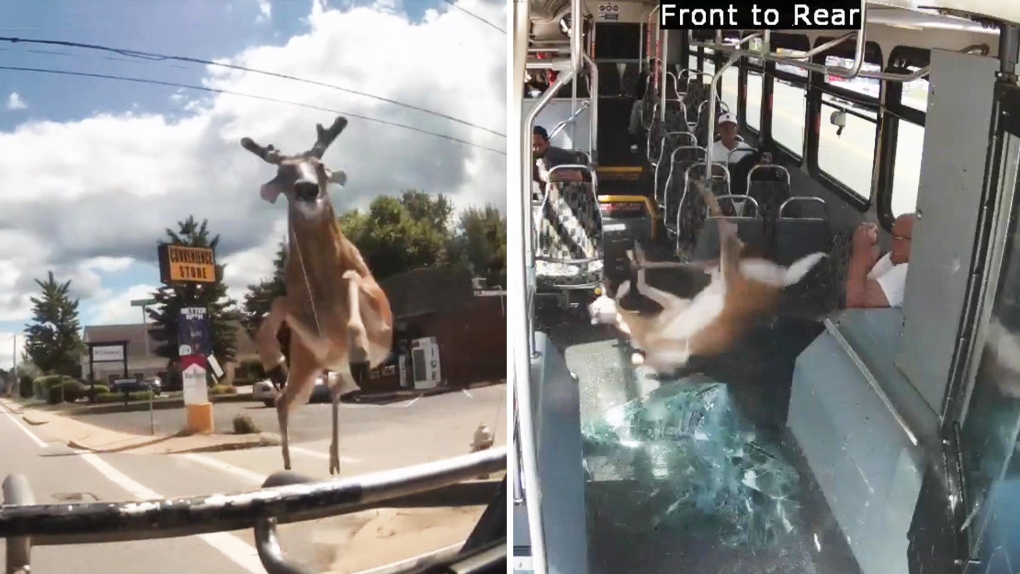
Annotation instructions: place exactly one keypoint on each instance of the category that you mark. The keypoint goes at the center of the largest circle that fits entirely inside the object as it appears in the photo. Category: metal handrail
(573, 117)
(287, 497)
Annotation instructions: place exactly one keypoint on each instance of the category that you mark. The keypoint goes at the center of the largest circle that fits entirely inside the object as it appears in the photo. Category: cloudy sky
(93, 170)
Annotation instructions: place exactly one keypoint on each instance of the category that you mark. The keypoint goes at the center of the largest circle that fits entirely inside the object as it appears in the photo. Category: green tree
(53, 338)
(480, 243)
(170, 299)
(259, 298)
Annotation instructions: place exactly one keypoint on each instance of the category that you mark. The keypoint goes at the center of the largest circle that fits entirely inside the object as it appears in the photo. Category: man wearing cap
(728, 149)
(549, 156)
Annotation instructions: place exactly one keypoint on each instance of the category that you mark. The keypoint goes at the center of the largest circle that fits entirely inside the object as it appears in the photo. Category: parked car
(265, 391)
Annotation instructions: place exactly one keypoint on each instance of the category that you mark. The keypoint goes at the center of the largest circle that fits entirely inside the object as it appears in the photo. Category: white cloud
(117, 309)
(92, 195)
(8, 347)
(265, 11)
(14, 102)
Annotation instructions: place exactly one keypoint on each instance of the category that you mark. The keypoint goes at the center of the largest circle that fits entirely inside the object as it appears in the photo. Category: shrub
(244, 424)
(106, 398)
(249, 370)
(25, 387)
(57, 388)
(102, 389)
(223, 390)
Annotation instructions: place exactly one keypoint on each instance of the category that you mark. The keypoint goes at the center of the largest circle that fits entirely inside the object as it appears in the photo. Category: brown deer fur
(339, 317)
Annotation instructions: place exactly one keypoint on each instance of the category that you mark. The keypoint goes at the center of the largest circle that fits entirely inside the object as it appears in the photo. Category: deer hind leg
(301, 383)
(357, 333)
(268, 346)
(337, 390)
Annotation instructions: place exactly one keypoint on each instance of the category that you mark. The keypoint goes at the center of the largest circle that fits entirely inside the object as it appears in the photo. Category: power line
(263, 98)
(156, 57)
(475, 16)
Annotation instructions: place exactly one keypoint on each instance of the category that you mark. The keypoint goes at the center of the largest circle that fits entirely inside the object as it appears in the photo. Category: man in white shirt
(874, 281)
(728, 149)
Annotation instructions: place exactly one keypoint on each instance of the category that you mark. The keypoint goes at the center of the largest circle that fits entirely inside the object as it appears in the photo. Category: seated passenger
(873, 281)
(728, 149)
(547, 157)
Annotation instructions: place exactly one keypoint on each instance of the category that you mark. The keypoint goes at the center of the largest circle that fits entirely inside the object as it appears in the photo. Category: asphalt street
(313, 422)
(372, 439)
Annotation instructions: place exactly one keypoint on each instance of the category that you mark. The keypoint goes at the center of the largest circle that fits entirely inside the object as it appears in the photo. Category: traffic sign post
(183, 265)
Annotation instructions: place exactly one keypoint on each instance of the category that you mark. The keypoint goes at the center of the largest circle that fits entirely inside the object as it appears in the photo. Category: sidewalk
(402, 395)
(83, 436)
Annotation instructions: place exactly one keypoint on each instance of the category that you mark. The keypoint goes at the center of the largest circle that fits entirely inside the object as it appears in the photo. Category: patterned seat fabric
(569, 226)
(692, 210)
(673, 188)
(671, 141)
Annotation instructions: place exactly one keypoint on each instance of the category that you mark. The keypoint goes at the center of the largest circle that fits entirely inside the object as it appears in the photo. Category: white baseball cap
(727, 118)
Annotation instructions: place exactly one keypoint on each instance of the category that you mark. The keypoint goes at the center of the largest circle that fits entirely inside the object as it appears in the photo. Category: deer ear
(270, 192)
(338, 177)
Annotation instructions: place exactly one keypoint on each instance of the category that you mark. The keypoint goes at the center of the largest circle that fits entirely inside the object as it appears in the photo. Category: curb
(264, 439)
(361, 397)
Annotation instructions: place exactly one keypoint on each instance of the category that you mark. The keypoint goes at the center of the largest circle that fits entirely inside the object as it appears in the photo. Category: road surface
(313, 422)
(57, 473)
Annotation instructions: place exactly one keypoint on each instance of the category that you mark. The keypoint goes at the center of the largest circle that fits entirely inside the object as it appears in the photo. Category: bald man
(873, 281)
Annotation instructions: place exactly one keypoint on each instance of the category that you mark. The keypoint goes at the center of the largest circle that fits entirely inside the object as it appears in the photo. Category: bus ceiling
(904, 15)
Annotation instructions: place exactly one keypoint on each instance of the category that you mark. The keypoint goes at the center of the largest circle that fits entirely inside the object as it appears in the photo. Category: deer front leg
(268, 346)
(304, 369)
(357, 356)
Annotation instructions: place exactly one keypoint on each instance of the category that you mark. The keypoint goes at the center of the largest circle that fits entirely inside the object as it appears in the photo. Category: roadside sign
(180, 264)
(143, 302)
(193, 375)
(193, 335)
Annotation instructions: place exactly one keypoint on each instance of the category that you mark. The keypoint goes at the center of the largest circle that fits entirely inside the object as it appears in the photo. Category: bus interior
(829, 439)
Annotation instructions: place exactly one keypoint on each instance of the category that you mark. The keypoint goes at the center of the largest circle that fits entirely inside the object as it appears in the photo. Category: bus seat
(670, 142)
(798, 237)
(569, 237)
(769, 185)
(675, 121)
(691, 210)
(682, 158)
(750, 230)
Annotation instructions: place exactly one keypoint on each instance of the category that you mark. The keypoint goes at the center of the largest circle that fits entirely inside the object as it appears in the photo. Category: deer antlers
(324, 138)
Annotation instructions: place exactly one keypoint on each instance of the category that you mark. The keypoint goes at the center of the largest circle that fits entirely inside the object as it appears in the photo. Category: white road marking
(215, 463)
(323, 455)
(230, 546)
(38, 442)
(467, 393)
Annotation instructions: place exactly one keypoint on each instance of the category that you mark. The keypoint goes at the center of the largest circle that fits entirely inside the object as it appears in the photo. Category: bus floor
(623, 503)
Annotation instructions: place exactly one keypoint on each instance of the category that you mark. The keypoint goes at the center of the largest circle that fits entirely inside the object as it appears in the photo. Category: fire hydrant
(483, 440)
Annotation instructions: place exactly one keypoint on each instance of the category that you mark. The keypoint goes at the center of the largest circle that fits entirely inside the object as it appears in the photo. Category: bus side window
(849, 157)
(907, 170)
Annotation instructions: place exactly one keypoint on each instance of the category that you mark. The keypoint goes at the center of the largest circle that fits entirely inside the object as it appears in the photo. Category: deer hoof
(359, 370)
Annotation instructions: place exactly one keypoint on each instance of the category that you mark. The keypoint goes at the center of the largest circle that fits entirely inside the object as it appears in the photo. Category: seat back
(670, 142)
(750, 230)
(683, 157)
(691, 210)
(769, 185)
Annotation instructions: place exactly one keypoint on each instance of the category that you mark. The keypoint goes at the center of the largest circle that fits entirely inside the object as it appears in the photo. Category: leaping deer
(339, 317)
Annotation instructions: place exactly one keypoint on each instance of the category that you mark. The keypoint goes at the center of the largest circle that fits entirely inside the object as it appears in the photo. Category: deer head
(302, 178)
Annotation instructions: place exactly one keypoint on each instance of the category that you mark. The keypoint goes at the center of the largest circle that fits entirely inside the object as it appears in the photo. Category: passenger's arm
(862, 292)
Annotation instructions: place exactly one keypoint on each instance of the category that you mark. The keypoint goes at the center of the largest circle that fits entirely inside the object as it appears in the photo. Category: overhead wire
(475, 16)
(240, 94)
(156, 57)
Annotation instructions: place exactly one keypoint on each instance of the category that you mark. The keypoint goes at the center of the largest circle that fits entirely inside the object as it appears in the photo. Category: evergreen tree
(53, 338)
(213, 296)
(259, 297)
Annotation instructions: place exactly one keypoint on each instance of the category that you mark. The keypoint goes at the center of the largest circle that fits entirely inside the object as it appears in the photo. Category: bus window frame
(899, 58)
(769, 78)
(817, 86)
